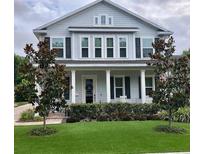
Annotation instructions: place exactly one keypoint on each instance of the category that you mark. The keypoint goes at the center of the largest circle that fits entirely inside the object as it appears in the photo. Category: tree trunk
(170, 117)
(44, 122)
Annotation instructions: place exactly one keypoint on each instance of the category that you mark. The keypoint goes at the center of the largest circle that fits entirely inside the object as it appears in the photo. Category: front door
(89, 90)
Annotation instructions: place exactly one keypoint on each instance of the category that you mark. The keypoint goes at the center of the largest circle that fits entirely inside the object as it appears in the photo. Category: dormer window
(103, 20)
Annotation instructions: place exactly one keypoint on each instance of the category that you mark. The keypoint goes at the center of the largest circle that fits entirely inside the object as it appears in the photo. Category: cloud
(172, 14)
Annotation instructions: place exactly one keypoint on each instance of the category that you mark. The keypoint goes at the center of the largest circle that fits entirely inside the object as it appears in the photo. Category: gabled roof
(112, 4)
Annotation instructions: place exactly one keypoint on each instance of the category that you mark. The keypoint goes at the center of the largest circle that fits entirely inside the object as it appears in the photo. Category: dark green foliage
(43, 132)
(173, 83)
(42, 71)
(111, 112)
(19, 81)
(167, 129)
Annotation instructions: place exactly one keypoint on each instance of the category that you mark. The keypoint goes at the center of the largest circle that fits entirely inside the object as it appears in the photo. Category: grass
(129, 137)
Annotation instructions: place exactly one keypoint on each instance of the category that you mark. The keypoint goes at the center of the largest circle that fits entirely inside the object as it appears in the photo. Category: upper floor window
(123, 47)
(58, 44)
(109, 46)
(103, 20)
(147, 46)
(84, 47)
(98, 47)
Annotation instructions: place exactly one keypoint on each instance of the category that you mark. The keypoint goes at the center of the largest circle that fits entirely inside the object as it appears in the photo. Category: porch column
(108, 85)
(143, 93)
(73, 86)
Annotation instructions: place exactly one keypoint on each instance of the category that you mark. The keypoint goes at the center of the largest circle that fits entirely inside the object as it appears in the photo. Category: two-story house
(105, 47)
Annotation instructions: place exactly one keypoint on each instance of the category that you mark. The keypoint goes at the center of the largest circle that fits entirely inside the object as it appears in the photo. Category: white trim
(107, 29)
(118, 42)
(102, 46)
(73, 84)
(113, 37)
(109, 2)
(94, 78)
(89, 53)
(64, 46)
(106, 65)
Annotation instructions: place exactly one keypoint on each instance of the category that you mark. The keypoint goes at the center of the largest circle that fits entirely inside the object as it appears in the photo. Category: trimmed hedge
(111, 112)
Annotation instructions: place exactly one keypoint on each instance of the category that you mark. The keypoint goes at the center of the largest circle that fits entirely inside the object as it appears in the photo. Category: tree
(47, 79)
(172, 86)
(19, 82)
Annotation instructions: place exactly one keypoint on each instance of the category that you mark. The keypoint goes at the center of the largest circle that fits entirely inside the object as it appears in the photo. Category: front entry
(89, 90)
(89, 83)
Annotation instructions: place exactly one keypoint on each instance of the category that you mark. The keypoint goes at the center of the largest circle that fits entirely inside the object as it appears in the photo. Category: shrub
(181, 115)
(42, 132)
(111, 112)
(29, 115)
(167, 129)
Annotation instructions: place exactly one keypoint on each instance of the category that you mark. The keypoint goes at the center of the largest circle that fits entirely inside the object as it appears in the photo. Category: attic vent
(103, 20)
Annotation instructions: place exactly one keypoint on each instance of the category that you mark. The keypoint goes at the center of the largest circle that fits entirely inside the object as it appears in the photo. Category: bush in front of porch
(111, 112)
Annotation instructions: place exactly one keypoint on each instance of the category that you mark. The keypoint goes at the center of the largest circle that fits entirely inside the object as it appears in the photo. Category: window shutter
(127, 86)
(112, 87)
(67, 90)
(68, 47)
(138, 47)
(139, 87)
(47, 39)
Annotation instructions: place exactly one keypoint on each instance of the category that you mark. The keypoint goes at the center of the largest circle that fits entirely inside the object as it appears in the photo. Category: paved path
(18, 110)
(172, 153)
(53, 118)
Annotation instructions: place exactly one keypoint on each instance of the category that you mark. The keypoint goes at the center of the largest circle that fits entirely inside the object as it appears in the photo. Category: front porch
(110, 85)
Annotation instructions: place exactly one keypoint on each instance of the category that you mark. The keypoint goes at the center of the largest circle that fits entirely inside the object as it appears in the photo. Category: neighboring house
(105, 47)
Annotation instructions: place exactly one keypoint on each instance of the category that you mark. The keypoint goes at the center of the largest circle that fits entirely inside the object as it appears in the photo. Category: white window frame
(64, 49)
(83, 36)
(153, 83)
(126, 38)
(142, 46)
(123, 85)
(113, 37)
(94, 21)
(102, 45)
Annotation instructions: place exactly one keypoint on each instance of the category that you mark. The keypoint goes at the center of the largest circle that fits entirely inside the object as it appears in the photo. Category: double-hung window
(98, 47)
(84, 47)
(147, 47)
(148, 85)
(123, 47)
(119, 87)
(103, 20)
(110, 47)
(58, 45)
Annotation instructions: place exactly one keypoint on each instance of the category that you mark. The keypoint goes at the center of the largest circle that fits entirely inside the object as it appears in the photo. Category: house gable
(85, 17)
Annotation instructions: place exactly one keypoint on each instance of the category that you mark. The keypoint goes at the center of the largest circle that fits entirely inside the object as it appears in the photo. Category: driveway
(53, 118)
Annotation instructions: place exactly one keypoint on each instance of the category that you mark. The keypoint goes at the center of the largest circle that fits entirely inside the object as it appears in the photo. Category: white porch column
(108, 85)
(143, 93)
(73, 86)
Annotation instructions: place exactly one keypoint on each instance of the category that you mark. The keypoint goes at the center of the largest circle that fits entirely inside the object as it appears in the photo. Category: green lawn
(102, 138)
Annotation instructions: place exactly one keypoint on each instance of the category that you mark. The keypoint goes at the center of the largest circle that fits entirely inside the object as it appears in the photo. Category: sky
(171, 14)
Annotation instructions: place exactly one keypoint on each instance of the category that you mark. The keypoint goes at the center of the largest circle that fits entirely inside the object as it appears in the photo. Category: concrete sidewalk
(171, 153)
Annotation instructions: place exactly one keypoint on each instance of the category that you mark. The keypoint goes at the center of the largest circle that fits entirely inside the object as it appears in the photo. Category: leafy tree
(172, 86)
(19, 80)
(47, 79)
